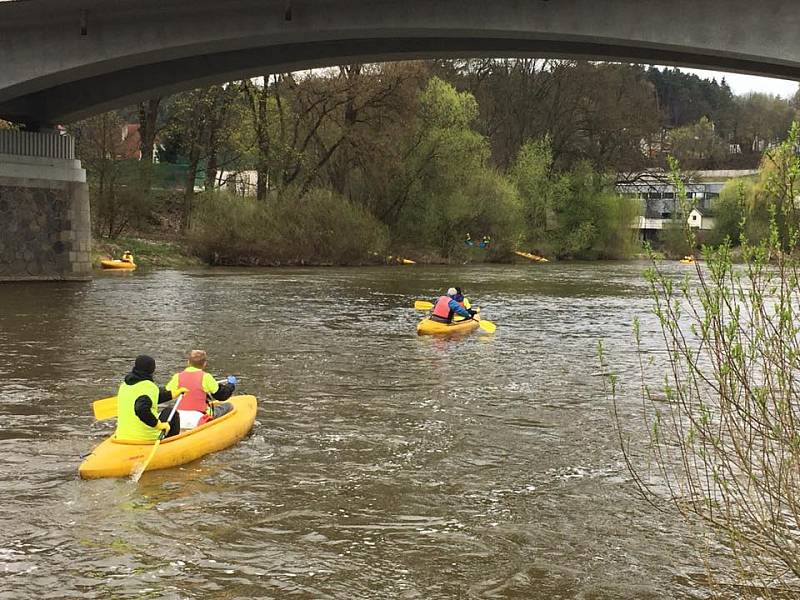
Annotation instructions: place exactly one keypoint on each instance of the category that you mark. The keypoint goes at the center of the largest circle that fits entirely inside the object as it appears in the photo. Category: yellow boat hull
(117, 458)
(116, 264)
(429, 327)
(529, 256)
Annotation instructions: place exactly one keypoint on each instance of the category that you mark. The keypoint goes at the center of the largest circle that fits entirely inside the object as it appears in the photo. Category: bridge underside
(67, 59)
(81, 98)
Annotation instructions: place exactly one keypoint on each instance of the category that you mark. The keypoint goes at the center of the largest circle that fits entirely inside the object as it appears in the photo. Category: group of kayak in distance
(206, 416)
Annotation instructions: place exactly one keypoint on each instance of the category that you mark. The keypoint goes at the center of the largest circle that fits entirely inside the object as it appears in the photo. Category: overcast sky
(744, 84)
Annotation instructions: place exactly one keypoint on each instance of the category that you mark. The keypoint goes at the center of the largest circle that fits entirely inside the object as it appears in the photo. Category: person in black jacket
(138, 398)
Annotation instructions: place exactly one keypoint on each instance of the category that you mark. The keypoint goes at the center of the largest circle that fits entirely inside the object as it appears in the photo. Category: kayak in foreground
(118, 458)
(430, 327)
(108, 263)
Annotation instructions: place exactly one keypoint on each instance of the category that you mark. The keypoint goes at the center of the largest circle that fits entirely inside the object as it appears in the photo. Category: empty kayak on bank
(118, 458)
(430, 327)
(529, 256)
(108, 263)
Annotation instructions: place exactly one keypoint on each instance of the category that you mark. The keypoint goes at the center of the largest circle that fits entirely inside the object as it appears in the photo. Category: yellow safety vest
(129, 426)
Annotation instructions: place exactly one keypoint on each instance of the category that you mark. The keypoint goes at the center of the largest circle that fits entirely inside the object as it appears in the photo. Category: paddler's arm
(165, 395)
(460, 310)
(143, 409)
(218, 391)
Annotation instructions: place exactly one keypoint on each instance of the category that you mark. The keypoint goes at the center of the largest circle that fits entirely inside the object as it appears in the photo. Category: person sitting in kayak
(138, 398)
(464, 302)
(195, 408)
(127, 256)
(447, 307)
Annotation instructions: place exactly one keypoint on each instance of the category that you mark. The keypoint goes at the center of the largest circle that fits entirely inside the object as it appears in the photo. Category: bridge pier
(45, 227)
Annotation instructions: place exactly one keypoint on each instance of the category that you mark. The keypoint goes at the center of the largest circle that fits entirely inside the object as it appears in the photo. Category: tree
(116, 198)
(697, 146)
(446, 188)
(762, 121)
(201, 123)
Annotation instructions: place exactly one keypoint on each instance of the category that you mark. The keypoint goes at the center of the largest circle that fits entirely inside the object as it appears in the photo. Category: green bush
(320, 227)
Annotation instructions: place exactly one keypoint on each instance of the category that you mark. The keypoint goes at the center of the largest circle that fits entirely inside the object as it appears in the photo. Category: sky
(744, 84)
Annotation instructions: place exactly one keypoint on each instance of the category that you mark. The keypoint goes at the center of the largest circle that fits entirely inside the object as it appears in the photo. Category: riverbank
(146, 252)
(179, 253)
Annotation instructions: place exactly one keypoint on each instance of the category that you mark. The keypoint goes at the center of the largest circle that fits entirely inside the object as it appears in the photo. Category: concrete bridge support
(45, 233)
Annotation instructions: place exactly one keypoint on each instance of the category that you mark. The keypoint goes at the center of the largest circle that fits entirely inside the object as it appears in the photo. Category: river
(381, 465)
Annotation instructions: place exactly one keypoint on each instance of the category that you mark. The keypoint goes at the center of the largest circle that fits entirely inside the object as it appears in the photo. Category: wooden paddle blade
(136, 472)
(105, 408)
(487, 326)
(423, 305)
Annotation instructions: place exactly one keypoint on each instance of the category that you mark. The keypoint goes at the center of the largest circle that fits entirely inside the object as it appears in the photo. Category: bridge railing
(45, 145)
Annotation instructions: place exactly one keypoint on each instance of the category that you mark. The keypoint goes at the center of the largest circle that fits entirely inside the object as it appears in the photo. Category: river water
(381, 464)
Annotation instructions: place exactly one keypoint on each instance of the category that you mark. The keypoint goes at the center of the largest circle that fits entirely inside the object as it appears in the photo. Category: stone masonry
(45, 227)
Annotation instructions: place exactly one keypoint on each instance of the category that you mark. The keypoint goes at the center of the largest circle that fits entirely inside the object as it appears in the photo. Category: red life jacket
(195, 398)
(442, 308)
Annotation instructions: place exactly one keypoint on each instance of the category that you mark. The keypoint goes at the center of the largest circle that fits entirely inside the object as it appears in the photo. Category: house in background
(130, 149)
(701, 218)
(660, 203)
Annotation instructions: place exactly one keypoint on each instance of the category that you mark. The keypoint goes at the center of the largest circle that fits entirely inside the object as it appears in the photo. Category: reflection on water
(382, 464)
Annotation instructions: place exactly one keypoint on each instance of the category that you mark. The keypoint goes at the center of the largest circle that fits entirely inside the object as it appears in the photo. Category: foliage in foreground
(724, 426)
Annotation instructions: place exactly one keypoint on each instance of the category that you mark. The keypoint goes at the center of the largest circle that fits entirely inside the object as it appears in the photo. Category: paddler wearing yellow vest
(463, 301)
(195, 408)
(138, 398)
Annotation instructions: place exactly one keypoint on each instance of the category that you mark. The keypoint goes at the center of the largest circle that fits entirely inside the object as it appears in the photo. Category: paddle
(136, 474)
(423, 305)
(487, 326)
(107, 407)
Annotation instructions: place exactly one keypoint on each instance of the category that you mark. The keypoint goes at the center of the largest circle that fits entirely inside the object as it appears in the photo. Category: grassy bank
(146, 252)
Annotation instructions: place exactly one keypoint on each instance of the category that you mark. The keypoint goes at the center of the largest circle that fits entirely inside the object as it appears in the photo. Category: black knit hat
(146, 365)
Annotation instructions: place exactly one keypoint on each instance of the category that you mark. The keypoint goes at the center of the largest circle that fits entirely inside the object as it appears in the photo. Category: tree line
(365, 160)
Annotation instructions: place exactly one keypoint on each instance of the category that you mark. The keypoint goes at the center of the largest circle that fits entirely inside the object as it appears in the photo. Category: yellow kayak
(687, 260)
(529, 256)
(108, 263)
(117, 458)
(429, 327)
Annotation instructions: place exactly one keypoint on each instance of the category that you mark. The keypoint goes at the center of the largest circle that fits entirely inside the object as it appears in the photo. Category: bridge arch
(67, 59)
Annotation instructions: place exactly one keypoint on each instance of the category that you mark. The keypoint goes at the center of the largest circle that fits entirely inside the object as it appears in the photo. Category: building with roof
(660, 203)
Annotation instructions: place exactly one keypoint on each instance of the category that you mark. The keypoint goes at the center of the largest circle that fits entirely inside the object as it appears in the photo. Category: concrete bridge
(62, 60)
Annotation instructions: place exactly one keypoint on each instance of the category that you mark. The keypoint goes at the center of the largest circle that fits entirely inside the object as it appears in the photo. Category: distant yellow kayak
(687, 260)
(407, 261)
(116, 264)
(117, 458)
(529, 256)
(430, 327)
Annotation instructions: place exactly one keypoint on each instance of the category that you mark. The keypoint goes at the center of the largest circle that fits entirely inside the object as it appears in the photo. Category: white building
(700, 219)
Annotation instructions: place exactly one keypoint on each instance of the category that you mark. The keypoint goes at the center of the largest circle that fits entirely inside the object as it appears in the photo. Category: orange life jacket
(195, 398)
(442, 308)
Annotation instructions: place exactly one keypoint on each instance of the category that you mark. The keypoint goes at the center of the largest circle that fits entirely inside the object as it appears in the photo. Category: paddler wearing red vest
(447, 307)
(195, 408)
(138, 398)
